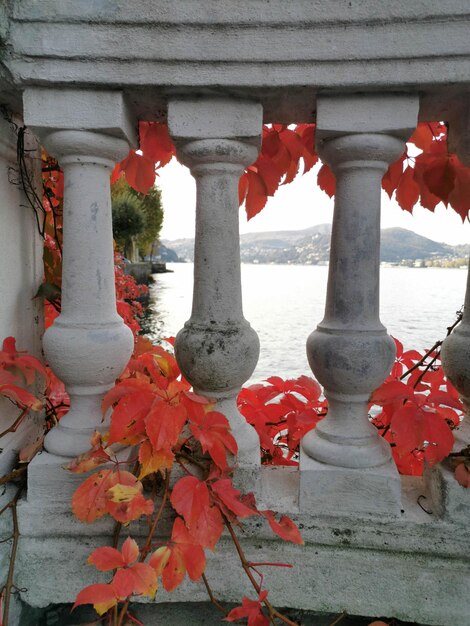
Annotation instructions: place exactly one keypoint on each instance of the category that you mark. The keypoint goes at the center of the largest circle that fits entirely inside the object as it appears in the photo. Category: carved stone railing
(84, 72)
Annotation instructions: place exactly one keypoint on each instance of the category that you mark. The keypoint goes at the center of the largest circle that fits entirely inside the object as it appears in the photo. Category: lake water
(284, 303)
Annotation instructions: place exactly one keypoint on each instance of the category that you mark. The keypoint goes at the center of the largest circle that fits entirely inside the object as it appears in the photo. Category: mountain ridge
(312, 246)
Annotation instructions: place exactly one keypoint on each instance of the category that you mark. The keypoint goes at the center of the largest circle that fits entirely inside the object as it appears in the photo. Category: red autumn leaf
(392, 176)
(88, 461)
(439, 177)
(92, 499)
(416, 429)
(242, 188)
(21, 397)
(126, 387)
(164, 424)
(128, 418)
(27, 364)
(230, 498)
(155, 142)
(392, 391)
(326, 180)
(101, 596)
(139, 579)
(153, 461)
(213, 433)
(407, 193)
(459, 197)
(106, 559)
(130, 551)
(189, 498)
(462, 475)
(285, 528)
(256, 196)
(139, 171)
(252, 609)
(181, 556)
(208, 527)
(269, 173)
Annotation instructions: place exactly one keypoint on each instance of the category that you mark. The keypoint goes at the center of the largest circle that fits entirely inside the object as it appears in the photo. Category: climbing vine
(180, 452)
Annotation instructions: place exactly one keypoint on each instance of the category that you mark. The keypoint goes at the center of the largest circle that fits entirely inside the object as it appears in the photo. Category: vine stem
(7, 589)
(12, 475)
(273, 613)
(212, 598)
(148, 544)
(16, 423)
(431, 350)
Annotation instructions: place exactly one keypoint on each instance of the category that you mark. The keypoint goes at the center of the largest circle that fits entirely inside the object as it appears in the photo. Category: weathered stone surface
(20, 276)
(345, 464)
(257, 49)
(415, 567)
(217, 350)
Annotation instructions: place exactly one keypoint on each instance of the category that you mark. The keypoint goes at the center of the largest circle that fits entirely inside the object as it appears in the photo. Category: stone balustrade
(81, 87)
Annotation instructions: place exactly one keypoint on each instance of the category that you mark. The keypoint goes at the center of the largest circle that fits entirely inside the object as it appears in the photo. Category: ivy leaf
(230, 498)
(252, 609)
(151, 461)
(213, 433)
(189, 498)
(164, 424)
(106, 559)
(181, 556)
(101, 596)
(139, 171)
(285, 528)
(139, 579)
(462, 475)
(326, 180)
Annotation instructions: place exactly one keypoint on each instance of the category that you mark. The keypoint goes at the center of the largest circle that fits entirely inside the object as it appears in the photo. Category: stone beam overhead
(102, 111)
(255, 49)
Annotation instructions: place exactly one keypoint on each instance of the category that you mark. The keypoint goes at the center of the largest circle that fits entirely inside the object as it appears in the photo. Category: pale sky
(295, 206)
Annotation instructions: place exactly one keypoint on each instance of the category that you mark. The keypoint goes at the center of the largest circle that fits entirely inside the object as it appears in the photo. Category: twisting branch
(9, 586)
(431, 351)
(273, 613)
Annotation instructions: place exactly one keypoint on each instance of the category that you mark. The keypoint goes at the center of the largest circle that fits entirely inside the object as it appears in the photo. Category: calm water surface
(284, 303)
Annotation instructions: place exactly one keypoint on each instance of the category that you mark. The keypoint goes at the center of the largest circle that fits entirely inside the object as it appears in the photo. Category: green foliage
(136, 217)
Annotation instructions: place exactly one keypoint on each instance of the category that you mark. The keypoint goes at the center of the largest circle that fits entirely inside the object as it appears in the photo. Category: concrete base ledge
(415, 567)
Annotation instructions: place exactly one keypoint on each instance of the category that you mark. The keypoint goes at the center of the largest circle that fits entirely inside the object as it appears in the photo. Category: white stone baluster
(345, 464)
(448, 497)
(217, 349)
(88, 345)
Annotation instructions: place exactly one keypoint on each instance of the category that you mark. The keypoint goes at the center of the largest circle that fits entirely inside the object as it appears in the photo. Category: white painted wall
(20, 277)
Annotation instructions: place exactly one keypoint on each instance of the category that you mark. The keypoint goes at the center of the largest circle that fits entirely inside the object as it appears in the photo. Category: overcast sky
(298, 205)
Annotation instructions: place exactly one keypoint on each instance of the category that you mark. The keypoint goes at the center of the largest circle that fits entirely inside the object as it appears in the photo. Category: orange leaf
(171, 562)
(213, 433)
(189, 498)
(139, 579)
(152, 461)
(407, 193)
(89, 500)
(139, 171)
(130, 551)
(230, 497)
(326, 180)
(106, 559)
(101, 596)
(21, 397)
(285, 528)
(155, 142)
(256, 196)
(164, 424)
(462, 475)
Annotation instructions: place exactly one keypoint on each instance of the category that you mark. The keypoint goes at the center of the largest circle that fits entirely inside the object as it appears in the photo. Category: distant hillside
(312, 246)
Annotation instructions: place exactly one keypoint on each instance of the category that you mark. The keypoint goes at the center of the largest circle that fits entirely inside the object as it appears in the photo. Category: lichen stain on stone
(94, 211)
